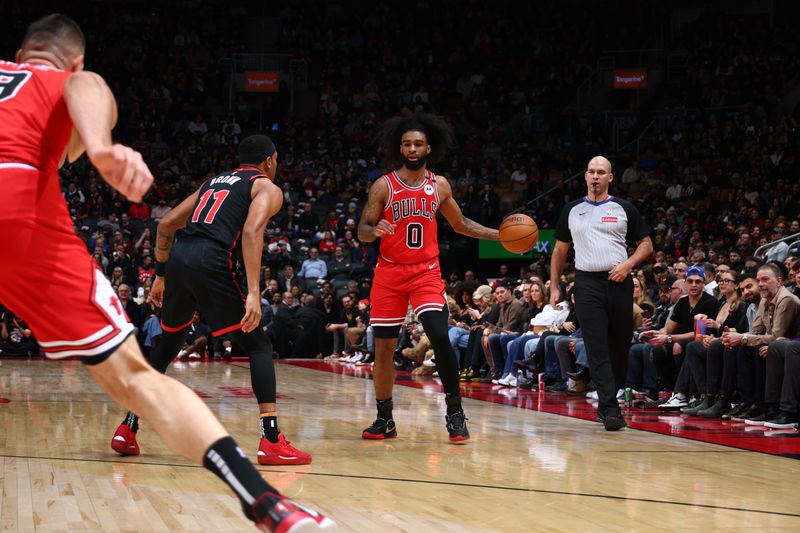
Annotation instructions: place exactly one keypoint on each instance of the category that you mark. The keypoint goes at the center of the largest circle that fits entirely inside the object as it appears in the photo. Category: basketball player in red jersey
(50, 110)
(401, 210)
(223, 219)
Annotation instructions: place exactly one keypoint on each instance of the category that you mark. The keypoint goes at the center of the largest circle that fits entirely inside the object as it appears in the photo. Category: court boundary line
(435, 482)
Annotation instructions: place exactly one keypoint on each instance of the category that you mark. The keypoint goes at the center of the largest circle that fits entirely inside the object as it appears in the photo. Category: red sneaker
(281, 453)
(287, 516)
(124, 441)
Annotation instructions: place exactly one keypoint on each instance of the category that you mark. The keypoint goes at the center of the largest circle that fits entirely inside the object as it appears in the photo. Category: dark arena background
(695, 103)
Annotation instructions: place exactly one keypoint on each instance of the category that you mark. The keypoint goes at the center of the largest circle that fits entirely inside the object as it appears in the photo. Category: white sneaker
(497, 381)
(358, 356)
(592, 395)
(194, 355)
(504, 380)
(512, 380)
(429, 362)
(181, 354)
(675, 402)
(621, 394)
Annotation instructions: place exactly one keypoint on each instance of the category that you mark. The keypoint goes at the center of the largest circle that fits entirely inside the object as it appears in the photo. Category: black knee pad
(386, 332)
(435, 325)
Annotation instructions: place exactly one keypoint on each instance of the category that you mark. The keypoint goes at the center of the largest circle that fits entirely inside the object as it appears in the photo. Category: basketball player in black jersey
(200, 276)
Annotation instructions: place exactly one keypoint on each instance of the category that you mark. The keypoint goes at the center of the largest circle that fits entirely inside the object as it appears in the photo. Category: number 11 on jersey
(219, 197)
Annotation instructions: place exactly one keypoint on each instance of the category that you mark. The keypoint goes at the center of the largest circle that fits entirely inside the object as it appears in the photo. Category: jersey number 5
(219, 197)
(11, 81)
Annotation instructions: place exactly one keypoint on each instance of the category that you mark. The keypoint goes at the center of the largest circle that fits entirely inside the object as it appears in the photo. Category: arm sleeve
(637, 227)
(563, 232)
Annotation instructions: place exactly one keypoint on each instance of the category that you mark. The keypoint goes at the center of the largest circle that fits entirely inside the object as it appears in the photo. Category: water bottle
(628, 396)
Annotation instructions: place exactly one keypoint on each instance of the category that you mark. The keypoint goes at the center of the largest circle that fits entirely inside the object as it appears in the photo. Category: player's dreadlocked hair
(436, 129)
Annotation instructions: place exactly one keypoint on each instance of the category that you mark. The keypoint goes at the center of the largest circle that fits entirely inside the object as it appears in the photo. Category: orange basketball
(518, 233)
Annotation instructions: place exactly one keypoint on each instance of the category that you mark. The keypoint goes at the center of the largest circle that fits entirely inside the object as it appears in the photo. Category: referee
(602, 228)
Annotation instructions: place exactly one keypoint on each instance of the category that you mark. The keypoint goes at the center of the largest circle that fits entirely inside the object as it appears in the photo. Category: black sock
(228, 462)
(132, 421)
(269, 428)
(385, 409)
(453, 402)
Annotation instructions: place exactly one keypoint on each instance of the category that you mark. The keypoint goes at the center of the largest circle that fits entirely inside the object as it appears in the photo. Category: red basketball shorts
(47, 276)
(395, 285)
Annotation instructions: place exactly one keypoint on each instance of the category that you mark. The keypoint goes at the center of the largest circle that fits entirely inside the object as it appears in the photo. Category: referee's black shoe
(380, 429)
(457, 427)
(611, 422)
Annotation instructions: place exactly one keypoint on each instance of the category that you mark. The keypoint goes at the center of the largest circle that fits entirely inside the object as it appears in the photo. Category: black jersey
(222, 207)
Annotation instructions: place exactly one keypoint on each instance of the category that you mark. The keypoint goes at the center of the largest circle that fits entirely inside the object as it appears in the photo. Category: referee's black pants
(605, 313)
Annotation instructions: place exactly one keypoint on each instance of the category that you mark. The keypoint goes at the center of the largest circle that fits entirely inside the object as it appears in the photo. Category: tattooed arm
(369, 227)
(461, 224)
(171, 223)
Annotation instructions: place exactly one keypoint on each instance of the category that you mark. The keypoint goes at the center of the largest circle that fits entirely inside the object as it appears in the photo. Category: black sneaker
(457, 427)
(760, 420)
(491, 376)
(720, 408)
(380, 429)
(559, 386)
(751, 412)
(736, 411)
(614, 422)
(526, 383)
(783, 421)
(696, 406)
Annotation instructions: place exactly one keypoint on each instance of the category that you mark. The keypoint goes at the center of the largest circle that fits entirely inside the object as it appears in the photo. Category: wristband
(669, 339)
(160, 268)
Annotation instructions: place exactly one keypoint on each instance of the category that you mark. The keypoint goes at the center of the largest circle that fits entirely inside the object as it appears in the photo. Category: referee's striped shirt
(601, 232)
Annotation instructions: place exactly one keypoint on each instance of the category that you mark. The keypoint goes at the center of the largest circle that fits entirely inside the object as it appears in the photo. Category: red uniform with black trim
(47, 276)
(408, 266)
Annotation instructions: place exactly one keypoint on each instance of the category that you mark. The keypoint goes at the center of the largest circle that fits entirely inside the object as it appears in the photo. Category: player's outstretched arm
(93, 111)
(455, 217)
(370, 227)
(266, 201)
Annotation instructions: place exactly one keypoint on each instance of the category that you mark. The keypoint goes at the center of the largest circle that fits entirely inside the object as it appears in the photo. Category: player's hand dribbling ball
(518, 233)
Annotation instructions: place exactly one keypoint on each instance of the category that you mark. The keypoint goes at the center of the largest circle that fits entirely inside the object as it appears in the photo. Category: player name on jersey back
(229, 179)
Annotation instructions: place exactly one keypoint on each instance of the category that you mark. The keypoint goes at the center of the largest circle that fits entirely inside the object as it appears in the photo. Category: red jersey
(35, 122)
(412, 210)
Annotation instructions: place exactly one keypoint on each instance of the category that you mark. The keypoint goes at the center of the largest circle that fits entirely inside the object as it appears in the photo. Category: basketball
(518, 233)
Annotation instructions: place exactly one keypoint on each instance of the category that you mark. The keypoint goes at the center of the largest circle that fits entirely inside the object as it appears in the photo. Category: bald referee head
(598, 177)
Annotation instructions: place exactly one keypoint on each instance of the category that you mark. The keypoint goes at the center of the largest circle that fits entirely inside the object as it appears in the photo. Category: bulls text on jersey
(407, 207)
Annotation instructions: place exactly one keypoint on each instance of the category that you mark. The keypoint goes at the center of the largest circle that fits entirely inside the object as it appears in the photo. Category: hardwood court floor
(524, 470)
